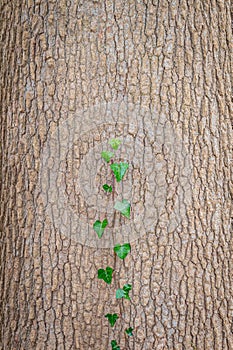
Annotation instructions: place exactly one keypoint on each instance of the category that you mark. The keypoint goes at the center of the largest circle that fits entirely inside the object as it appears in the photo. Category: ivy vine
(118, 170)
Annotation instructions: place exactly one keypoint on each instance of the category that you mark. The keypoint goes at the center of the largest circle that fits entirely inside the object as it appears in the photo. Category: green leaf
(127, 287)
(106, 275)
(112, 318)
(107, 155)
(122, 250)
(124, 292)
(100, 226)
(123, 207)
(119, 170)
(115, 143)
(120, 293)
(114, 345)
(129, 331)
(107, 188)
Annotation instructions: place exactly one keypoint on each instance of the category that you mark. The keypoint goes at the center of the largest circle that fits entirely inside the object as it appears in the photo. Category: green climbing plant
(106, 274)
(112, 318)
(122, 250)
(118, 170)
(99, 227)
(123, 207)
(124, 292)
(114, 345)
(129, 331)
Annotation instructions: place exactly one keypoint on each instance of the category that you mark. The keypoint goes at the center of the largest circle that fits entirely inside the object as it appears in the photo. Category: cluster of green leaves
(108, 155)
(118, 170)
(114, 345)
(124, 292)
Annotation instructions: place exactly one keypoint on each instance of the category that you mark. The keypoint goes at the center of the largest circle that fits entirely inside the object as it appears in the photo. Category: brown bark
(59, 57)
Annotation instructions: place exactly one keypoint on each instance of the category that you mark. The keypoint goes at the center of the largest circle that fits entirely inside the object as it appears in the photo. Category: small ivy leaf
(123, 207)
(120, 293)
(112, 318)
(100, 226)
(107, 188)
(106, 275)
(107, 156)
(127, 287)
(124, 292)
(114, 345)
(119, 170)
(122, 250)
(115, 143)
(129, 331)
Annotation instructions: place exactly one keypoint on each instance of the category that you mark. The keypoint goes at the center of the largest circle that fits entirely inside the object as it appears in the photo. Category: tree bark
(60, 57)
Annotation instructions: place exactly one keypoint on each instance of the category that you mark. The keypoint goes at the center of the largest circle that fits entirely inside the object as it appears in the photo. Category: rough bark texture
(58, 57)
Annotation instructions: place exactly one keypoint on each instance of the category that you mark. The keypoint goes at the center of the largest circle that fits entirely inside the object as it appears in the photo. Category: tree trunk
(65, 64)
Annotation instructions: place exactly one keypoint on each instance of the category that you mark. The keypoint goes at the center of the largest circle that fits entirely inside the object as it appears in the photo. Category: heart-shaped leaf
(106, 155)
(106, 275)
(115, 143)
(107, 188)
(112, 318)
(100, 226)
(123, 207)
(122, 250)
(114, 345)
(129, 331)
(119, 170)
(124, 292)
(120, 293)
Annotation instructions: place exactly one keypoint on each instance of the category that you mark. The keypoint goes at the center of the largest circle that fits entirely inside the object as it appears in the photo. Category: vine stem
(113, 194)
(113, 183)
